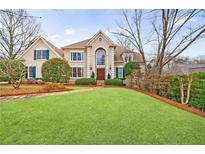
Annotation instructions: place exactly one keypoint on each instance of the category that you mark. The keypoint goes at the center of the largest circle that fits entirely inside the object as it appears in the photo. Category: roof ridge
(58, 50)
(69, 45)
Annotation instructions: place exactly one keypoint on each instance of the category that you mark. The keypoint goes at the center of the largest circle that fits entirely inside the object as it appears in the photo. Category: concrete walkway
(10, 98)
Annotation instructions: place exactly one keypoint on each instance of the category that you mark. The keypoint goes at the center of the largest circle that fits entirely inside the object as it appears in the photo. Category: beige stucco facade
(28, 57)
(88, 49)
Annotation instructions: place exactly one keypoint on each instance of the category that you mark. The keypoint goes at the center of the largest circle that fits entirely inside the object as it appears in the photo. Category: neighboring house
(97, 54)
(186, 69)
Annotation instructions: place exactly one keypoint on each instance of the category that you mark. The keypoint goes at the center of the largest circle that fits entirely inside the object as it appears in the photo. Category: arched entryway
(100, 64)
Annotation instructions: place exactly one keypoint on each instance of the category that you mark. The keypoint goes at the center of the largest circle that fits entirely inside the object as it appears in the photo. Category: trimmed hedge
(197, 98)
(130, 66)
(3, 79)
(56, 70)
(197, 94)
(85, 81)
(114, 82)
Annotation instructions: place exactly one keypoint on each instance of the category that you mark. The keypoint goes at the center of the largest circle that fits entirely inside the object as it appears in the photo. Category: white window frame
(121, 68)
(128, 58)
(77, 60)
(77, 75)
(41, 53)
(103, 60)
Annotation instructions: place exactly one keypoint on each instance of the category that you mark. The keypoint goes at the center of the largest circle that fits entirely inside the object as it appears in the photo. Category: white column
(106, 65)
(88, 62)
(28, 73)
(93, 65)
(112, 64)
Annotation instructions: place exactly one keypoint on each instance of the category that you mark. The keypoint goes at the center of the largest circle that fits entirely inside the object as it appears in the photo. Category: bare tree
(168, 33)
(123, 42)
(190, 79)
(18, 30)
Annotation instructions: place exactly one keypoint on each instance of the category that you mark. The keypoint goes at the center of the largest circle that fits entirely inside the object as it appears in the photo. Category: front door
(100, 74)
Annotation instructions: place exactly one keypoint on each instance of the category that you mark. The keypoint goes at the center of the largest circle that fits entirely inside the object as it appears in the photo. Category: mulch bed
(173, 103)
(24, 91)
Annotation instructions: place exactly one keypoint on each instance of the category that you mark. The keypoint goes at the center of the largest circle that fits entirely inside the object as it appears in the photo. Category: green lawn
(102, 116)
(76, 87)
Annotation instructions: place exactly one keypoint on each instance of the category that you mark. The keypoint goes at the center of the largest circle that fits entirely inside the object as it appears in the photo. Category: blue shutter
(44, 52)
(123, 72)
(34, 56)
(116, 72)
(47, 54)
(34, 71)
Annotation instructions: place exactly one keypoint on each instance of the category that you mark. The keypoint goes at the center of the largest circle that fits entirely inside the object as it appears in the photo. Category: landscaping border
(171, 102)
(37, 92)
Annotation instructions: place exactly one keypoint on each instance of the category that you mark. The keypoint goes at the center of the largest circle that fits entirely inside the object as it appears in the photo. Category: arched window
(100, 57)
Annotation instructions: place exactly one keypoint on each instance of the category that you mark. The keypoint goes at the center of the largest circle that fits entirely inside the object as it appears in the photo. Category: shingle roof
(59, 51)
(118, 50)
(80, 44)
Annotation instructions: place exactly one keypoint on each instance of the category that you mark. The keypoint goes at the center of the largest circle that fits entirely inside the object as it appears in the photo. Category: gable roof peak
(98, 33)
(55, 49)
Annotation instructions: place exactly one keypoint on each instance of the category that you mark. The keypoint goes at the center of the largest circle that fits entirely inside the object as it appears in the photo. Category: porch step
(100, 82)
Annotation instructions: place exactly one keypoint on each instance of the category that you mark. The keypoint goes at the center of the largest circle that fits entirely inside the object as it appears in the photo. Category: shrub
(56, 70)
(197, 94)
(13, 70)
(85, 81)
(130, 66)
(114, 82)
(197, 98)
(49, 86)
(4, 78)
(92, 75)
(109, 76)
(132, 73)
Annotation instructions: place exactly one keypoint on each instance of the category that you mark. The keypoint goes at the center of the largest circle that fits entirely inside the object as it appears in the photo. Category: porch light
(110, 67)
(91, 67)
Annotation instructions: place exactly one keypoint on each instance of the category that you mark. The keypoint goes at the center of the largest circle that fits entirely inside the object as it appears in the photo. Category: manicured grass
(76, 87)
(102, 116)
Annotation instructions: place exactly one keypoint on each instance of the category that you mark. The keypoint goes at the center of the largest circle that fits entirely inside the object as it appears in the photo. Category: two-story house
(97, 54)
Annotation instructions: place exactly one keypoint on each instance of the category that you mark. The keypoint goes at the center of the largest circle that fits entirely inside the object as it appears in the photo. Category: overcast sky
(63, 27)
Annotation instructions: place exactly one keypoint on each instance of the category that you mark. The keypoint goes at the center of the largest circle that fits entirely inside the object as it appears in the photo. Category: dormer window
(128, 58)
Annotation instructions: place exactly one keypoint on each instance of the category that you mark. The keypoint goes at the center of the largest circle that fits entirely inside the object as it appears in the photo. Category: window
(100, 57)
(119, 72)
(30, 69)
(41, 54)
(77, 72)
(30, 72)
(128, 58)
(77, 56)
(26, 72)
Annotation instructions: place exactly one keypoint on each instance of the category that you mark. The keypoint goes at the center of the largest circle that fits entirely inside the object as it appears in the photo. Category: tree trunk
(16, 84)
(181, 82)
(190, 80)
